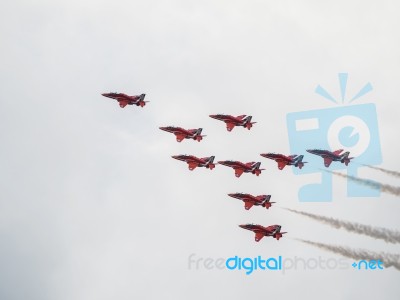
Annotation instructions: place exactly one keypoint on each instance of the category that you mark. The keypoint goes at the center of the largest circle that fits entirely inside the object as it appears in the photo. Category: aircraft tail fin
(197, 134)
(337, 152)
(264, 197)
(345, 158)
(209, 159)
(254, 165)
(247, 122)
(210, 162)
(345, 155)
(299, 162)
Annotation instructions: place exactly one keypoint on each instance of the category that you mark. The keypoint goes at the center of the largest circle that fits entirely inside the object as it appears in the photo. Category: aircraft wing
(238, 172)
(180, 137)
(230, 126)
(281, 164)
(327, 161)
(248, 204)
(259, 236)
(192, 165)
(123, 103)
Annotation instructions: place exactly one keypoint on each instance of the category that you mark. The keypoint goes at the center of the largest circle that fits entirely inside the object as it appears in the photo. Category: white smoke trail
(390, 189)
(388, 259)
(389, 236)
(389, 172)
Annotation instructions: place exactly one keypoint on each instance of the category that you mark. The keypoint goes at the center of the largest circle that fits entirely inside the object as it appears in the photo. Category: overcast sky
(92, 206)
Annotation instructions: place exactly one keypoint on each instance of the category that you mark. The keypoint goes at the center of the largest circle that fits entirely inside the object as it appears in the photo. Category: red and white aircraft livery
(231, 121)
(240, 168)
(195, 162)
(250, 200)
(182, 134)
(125, 100)
(283, 160)
(329, 156)
(261, 231)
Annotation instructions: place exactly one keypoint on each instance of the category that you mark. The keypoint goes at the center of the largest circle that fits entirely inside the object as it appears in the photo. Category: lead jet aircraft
(261, 231)
(182, 134)
(195, 162)
(240, 168)
(329, 156)
(231, 121)
(283, 160)
(250, 200)
(125, 100)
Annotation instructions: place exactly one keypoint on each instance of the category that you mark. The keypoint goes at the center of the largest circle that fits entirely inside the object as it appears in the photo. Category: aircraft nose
(242, 226)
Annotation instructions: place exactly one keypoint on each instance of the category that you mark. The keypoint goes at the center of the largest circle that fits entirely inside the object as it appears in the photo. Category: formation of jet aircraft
(239, 167)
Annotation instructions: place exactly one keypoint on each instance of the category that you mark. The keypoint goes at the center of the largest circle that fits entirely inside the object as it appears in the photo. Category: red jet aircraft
(329, 156)
(125, 100)
(250, 200)
(231, 121)
(182, 134)
(261, 231)
(195, 162)
(240, 168)
(283, 160)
